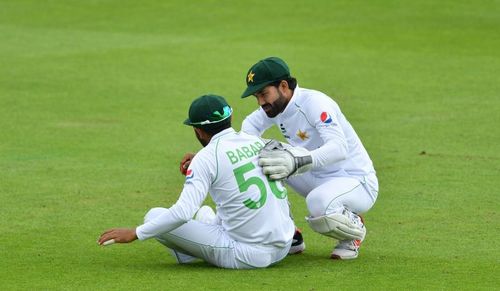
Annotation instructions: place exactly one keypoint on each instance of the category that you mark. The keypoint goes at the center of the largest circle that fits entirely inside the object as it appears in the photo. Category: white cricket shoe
(349, 249)
(346, 250)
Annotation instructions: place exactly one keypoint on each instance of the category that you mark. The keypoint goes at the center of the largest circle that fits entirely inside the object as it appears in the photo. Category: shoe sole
(295, 250)
(337, 257)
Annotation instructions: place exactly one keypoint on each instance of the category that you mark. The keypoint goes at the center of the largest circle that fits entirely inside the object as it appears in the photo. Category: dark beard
(276, 108)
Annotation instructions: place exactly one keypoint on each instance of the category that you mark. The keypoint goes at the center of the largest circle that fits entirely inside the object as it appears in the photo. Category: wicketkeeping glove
(280, 161)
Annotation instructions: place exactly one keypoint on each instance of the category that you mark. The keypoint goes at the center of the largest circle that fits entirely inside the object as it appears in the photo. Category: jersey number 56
(244, 184)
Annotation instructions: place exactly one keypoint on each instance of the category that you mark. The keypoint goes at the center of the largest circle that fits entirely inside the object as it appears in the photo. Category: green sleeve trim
(216, 161)
(305, 115)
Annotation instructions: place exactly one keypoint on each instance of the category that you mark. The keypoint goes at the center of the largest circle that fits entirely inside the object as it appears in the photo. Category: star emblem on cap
(302, 135)
(250, 77)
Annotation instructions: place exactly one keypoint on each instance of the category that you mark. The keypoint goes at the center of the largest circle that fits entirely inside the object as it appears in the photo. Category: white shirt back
(251, 208)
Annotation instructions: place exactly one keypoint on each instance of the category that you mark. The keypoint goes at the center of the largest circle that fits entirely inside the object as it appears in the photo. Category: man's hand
(118, 235)
(186, 160)
(280, 162)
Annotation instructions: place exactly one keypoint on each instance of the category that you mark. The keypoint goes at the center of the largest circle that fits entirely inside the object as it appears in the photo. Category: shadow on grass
(167, 263)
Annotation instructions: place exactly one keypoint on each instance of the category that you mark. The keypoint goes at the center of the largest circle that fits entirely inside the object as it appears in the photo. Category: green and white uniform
(253, 228)
(342, 174)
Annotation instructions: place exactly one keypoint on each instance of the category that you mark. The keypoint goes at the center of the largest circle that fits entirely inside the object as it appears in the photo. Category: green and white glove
(280, 161)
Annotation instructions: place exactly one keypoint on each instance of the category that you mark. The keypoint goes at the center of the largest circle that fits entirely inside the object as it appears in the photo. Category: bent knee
(316, 203)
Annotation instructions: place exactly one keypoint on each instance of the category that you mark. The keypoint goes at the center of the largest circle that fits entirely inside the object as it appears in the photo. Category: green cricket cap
(263, 73)
(208, 109)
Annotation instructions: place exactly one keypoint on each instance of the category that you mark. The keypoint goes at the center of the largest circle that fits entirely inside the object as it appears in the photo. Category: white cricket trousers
(325, 195)
(211, 243)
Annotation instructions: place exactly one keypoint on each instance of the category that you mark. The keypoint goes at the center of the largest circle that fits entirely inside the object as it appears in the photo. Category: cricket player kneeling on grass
(326, 163)
(252, 227)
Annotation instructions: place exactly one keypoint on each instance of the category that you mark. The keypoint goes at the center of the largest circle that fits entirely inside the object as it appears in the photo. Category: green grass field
(93, 95)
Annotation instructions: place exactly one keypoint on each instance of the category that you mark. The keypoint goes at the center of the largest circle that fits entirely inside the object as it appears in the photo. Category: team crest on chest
(325, 117)
(302, 134)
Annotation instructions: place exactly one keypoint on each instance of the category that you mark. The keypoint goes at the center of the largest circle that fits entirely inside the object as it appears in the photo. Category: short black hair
(215, 128)
(292, 83)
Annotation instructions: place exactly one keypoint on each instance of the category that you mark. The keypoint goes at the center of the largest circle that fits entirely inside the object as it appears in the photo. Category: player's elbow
(343, 150)
(338, 150)
(330, 153)
(183, 212)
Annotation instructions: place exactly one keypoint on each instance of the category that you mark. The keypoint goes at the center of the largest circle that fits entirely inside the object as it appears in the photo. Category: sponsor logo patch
(325, 117)
(189, 174)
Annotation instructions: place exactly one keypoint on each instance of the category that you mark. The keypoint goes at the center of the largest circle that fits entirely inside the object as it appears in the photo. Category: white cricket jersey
(250, 208)
(312, 120)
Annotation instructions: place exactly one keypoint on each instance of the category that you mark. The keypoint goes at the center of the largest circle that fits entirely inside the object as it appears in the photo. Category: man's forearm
(330, 153)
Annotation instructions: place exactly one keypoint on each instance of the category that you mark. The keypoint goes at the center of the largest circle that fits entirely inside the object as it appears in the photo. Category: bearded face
(271, 100)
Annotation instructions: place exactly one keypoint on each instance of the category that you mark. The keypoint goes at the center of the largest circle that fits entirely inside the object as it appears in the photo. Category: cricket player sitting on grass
(326, 162)
(252, 227)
